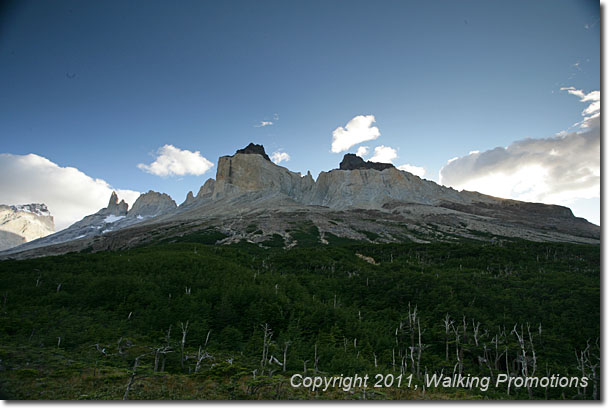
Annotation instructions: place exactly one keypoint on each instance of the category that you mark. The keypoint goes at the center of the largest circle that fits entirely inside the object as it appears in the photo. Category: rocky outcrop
(151, 204)
(115, 207)
(363, 187)
(206, 189)
(242, 173)
(254, 149)
(24, 223)
(353, 161)
(189, 199)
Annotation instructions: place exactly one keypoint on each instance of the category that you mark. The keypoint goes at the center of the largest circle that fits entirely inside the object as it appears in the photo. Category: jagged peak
(254, 149)
(353, 161)
(115, 207)
(190, 198)
(114, 199)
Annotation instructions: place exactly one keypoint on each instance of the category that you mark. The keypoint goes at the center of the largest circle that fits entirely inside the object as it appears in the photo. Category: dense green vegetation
(72, 326)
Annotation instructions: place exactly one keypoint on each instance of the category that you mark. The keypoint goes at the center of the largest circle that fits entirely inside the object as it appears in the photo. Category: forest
(187, 319)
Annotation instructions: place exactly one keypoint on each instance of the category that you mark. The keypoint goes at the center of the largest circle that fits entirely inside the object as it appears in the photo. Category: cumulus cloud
(69, 193)
(279, 156)
(384, 154)
(415, 170)
(362, 151)
(559, 169)
(175, 161)
(357, 130)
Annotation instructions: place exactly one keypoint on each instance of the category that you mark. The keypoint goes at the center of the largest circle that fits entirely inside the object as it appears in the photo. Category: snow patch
(113, 218)
(37, 209)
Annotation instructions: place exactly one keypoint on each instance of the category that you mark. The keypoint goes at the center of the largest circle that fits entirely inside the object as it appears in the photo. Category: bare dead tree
(475, 332)
(448, 323)
(523, 359)
(286, 345)
(164, 352)
(458, 349)
(133, 376)
(267, 335)
(184, 329)
(158, 352)
(589, 363)
(200, 356)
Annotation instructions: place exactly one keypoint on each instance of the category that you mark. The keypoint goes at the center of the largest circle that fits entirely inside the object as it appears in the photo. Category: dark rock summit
(353, 161)
(254, 149)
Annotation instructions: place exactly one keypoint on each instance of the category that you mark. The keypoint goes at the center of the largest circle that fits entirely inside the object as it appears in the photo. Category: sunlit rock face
(152, 204)
(24, 223)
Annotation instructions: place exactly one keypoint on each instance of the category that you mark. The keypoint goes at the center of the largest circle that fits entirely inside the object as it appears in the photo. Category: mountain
(252, 199)
(24, 223)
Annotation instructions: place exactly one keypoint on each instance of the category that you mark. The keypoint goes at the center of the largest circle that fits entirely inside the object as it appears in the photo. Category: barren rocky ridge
(252, 199)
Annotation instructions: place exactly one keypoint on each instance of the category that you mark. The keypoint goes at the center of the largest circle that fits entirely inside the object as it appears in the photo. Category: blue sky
(101, 86)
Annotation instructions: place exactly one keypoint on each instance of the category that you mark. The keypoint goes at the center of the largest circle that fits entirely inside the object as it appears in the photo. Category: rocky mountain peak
(152, 203)
(353, 161)
(115, 207)
(254, 149)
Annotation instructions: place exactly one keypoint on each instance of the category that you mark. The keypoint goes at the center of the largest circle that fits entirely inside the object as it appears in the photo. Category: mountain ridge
(375, 202)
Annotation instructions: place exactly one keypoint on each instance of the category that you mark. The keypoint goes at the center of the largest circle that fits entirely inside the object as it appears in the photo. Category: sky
(494, 96)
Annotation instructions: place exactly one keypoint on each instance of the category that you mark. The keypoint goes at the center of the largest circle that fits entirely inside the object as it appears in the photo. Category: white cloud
(175, 161)
(278, 157)
(69, 193)
(362, 151)
(591, 113)
(415, 170)
(384, 154)
(559, 170)
(357, 130)
(266, 123)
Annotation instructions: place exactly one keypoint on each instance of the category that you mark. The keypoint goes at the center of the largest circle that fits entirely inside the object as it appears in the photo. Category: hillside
(74, 326)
